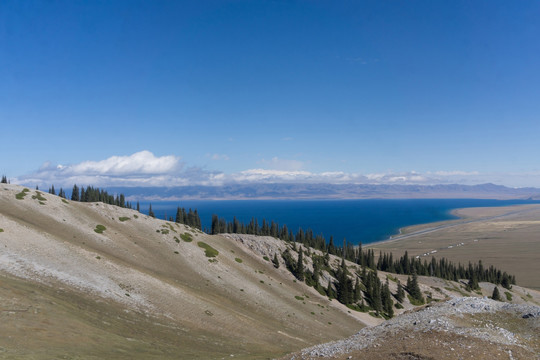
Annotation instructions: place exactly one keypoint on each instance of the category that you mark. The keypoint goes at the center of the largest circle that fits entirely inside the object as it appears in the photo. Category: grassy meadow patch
(22, 194)
(208, 250)
(186, 237)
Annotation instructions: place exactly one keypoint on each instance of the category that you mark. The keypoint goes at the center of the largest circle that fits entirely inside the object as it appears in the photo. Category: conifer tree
(400, 295)
(386, 297)
(150, 212)
(496, 295)
(414, 289)
(75, 193)
(275, 261)
(138, 207)
(4, 179)
(215, 225)
(299, 273)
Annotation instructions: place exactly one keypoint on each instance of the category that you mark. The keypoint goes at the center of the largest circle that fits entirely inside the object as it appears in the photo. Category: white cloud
(143, 162)
(145, 169)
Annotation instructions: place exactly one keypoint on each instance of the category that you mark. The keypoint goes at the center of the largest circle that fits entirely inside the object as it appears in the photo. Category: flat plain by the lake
(505, 237)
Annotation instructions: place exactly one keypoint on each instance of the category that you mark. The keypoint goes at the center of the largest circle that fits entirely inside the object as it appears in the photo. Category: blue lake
(356, 220)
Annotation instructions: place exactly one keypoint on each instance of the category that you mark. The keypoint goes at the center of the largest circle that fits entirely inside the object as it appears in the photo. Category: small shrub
(100, 229)
(176, 239)
(208, 250)
(266, 258)
(508, 296)
(186, 237)
(22, 194)
(41, 203)
(238, 260)
(299, 298)
(135, 216)
(38, 197)
(65, 201)
(176, 252)
(98, 257)
(164, 231)
(398, 306)
(262, 282)
(414, 301)
(124, 218)
(1, 230)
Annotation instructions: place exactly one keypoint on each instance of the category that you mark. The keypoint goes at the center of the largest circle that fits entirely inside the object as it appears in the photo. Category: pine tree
(386, 297)
(496, 294)
(138, 207)
(75, 193)
(215, 225)
(505, 282)
(414, 289)
(150, 212)
(275, 261)
(4, 179)
(299, 272)
(400, 295)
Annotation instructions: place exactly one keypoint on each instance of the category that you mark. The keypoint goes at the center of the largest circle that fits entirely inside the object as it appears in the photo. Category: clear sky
(221, 91)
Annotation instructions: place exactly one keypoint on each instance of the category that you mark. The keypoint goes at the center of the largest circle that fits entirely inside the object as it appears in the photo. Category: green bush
(65, 201)
(124, 218)
(414, 301)
(508, 296)
(100, 229)
(208, 250)
(238, 260)
(176, 239)
(186, 237)
(38, 196)
(299, 298)
(1, 230)
(22, 194)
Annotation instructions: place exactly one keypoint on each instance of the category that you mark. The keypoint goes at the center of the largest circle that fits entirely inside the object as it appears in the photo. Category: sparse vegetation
(186, 237)
(266, 258)
(1, 230)
(100, 229)
(176, 239)
(299, 298)
(208, 250)
(22, 194)
(508, 295)
(124, 218)
(135, 216)
(238, 260)
(38, 197)
(65, 201)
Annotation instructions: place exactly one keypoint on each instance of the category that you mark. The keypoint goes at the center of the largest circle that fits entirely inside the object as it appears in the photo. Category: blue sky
(182, 92)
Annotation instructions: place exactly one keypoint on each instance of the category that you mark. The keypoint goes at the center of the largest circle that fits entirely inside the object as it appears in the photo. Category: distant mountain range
(326, 191)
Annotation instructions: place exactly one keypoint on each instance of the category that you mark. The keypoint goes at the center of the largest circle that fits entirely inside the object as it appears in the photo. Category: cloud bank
(145, 169)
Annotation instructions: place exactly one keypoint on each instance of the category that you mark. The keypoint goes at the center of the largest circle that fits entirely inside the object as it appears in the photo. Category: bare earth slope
(138, 289)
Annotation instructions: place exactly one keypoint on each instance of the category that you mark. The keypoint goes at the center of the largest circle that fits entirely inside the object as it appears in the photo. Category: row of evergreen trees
(91, 194)
(368, 293)
(4, 180)
(441, 268)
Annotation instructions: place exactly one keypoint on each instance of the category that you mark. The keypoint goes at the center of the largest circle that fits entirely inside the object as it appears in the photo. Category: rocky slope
(459, 328)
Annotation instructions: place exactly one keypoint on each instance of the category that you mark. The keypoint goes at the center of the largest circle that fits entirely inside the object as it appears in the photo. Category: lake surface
(365, 221)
